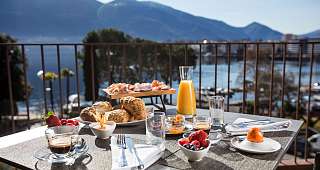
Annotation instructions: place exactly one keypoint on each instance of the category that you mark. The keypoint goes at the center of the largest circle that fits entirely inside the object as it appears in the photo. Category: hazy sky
(287, 16)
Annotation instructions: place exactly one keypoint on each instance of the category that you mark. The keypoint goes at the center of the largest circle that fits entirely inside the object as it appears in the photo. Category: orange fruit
(254, 135)
(179, 118)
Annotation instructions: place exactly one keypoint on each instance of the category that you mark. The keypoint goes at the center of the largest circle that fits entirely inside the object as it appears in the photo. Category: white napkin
(149, 154)
(276, 126)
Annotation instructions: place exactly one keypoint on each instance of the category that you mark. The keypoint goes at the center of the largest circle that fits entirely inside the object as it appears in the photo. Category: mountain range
(144, 19)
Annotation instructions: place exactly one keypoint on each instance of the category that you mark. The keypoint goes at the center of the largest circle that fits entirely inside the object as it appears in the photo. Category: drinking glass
(155, 129)
(216, 107)
(202, 122)
(175, 124)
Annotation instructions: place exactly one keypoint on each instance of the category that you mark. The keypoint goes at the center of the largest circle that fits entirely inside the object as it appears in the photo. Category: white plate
(132, 123)
(267, 146)
(83, 121)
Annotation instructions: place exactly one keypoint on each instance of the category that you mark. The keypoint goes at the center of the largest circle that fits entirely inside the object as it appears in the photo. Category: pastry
(140, 115)
(118, 88)
(119, 116)
(102, 106)
(88, 114)
(158, 85)
(140, 87)
(134, 106)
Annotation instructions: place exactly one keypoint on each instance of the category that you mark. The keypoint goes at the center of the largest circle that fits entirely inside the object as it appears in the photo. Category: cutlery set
(124, 143)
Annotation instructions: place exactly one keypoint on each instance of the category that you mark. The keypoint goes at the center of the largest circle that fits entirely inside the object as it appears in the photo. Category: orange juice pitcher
(186, 100)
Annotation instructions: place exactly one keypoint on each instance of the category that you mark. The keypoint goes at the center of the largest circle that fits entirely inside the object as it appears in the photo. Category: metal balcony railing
(247, 54)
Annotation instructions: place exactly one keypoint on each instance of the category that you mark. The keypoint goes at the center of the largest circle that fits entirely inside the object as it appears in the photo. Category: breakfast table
(17, 149)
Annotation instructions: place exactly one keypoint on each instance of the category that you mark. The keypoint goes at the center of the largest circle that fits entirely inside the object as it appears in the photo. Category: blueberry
(187, 145)
(192, 147)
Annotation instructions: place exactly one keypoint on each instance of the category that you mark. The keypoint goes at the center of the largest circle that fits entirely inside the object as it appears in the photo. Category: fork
(121, 142)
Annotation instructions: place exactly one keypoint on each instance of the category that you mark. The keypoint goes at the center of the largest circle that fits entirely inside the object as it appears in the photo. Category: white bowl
(64, 129)
(195, 155)
(103, 133)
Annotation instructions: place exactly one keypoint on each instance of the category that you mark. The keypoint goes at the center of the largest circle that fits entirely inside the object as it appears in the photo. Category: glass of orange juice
(186, 100)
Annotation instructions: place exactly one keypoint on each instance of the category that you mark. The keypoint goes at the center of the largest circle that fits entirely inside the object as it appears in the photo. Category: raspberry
(204, 143)
(199, 135)
(196, 143)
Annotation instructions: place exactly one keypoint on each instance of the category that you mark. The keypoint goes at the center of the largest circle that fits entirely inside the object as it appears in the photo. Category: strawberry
(52, 120)
(183, 141)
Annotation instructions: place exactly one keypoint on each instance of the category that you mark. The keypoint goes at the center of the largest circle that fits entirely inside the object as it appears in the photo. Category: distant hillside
(257, 31)
(48, 17)
(313, 34)
(149, 20)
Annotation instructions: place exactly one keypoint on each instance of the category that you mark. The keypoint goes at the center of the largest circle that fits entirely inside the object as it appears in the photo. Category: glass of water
(156, 129)
(216, 107)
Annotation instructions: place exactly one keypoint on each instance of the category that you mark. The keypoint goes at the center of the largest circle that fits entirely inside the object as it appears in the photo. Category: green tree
(129, 63)
(16, 68)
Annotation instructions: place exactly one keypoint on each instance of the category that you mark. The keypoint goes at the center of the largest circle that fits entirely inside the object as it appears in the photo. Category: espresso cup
(62, 140)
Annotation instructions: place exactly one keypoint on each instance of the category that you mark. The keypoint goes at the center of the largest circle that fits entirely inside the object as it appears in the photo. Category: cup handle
(75, 141)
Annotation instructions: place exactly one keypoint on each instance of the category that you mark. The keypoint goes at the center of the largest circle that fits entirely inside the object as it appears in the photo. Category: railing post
(124, 63)
(283, 79)
(8, 63)
(200, 70)
(256, 97)
(43, 79)
(140, 62)
(298, 98)
(170, 71)
(229, 60)
(244, 78)
(155, 68)
(109, 65)
(215, 69)
(77, 75)
(271, 84)
(93, 82)
(60, 85)
(26, 90)
(309, 95)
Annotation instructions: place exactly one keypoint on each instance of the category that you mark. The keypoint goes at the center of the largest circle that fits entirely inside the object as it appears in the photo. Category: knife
(133, 150)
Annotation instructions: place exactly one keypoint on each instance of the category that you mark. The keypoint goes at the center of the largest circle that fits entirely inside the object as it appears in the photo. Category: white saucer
(267, 146)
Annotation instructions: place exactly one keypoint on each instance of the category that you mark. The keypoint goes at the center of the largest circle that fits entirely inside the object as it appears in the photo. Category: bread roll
(118, 116)
(88, 114)
(102, 106)
(132, 104)
(140, 115)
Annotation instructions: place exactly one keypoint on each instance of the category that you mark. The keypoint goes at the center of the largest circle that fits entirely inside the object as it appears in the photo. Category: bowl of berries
(195, 146)
(61, 125)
